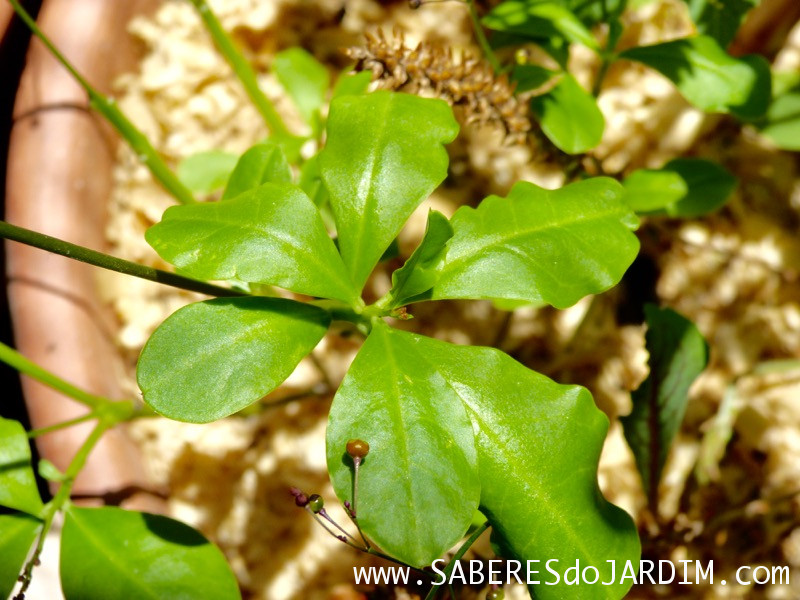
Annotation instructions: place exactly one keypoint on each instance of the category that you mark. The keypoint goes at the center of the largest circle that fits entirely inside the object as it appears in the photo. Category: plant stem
(108, 108)
(14, 359)
(481, 37)
(99, 259)
(457, 556)
(62, 495)
(242, 69)
(63, 425)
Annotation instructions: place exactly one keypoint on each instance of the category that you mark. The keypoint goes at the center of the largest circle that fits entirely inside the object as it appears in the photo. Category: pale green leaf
(421, 270)
(539, 19)
(50, 472)
(782, 122)
(538, 245)
(719, 19)
(18, 531)
(206, 171)
(210, 359)
(569, 116)
(678, 354)
(17, 481)
(384, 155)
(305, 79)
(272, 235)
(352, 84)
(708, 77)
(647, 190)
(113, 554)
(311, 181)
(418, 486)
(263, 163)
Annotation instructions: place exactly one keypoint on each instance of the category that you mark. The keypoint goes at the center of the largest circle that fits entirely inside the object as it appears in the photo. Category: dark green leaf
(206, 171)
(352, 84)
(113, 554)
(678, 354)
(556, 47)
(719, 19)
(708, 77)
(17, 481)
(782, 123)
(384, 155)
(311, 181)
(306, 80)
(421, 270)
(539, 19)
(418, 487)
(647, 190)
(538, 245)
(18, 531)
(272, 235)
(569, 116)
(530, 77)
(592, 12)
(263, 163)
(709, 184)
(210, 359)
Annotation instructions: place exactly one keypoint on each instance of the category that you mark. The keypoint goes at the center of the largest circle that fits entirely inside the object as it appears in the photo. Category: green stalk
(14, 359)
(99, 259)
(33, 433)
(434, 591)
(108, 108)
(242, 69)
(62, 495)
(481, 37)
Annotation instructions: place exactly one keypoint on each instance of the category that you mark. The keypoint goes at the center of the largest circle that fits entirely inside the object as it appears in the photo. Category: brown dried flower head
(467, 83)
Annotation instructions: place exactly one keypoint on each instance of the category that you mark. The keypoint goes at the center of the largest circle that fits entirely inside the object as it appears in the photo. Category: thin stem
(62, 495)
(23, 365)
(242, 69)
(63, 425)
(99, 259)
(457, 556)
(481, 37)
(108, 108)
(341, 538)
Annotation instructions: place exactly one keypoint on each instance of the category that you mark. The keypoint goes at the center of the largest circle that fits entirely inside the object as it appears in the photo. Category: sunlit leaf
(538, 245)
(206, 171)
(272, 235)
(113, 554)
(210, 359)
(383, 156)
(263, 163)
(305, 79)
(539, 19)
(18, 531)
(17, 481)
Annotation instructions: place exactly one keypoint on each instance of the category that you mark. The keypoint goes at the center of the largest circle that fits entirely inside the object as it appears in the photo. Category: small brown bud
(357, 449)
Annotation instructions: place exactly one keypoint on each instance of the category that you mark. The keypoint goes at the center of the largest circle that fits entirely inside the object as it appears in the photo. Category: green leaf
(719, 19)
(206, 171)
(352, 84)
(592, 12)
(648, 190)
(18, 531)
(263, 163)
(539, 19)
(709, 184)
(538, 446)
(530, 77)
(17, 481)
(210, 359)
(782, 123)
(305, 79)
(418, 487)
(384, 155)
(113, 554)
(539, 245)
(272, 235)
(569, 116)
(678, 354)
(708, 77)
(421, 270)
(311, 181)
